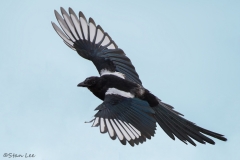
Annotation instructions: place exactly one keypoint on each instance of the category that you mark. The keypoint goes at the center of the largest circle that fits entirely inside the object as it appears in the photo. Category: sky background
(186, 52)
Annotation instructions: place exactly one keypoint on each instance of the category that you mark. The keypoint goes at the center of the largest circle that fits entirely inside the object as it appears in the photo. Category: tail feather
(213, 134)
(174, 124)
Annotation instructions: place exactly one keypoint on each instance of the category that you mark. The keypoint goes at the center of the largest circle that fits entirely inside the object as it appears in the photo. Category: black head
(90, 81)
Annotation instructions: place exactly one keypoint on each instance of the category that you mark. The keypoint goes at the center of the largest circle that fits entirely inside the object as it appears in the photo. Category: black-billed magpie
(129, 111)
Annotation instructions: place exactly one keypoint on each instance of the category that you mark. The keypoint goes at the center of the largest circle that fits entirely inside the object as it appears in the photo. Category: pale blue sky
(186, 52)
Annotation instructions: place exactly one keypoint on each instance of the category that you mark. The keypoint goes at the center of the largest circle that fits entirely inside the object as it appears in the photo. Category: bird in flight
(129, 111)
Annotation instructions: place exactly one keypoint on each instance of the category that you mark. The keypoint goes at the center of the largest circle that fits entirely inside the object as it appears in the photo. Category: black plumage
(129, 111)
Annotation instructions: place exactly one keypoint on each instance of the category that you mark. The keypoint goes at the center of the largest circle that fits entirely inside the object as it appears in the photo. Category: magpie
(129, 111)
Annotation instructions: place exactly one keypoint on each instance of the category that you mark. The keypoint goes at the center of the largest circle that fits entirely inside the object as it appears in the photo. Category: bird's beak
(82, 84)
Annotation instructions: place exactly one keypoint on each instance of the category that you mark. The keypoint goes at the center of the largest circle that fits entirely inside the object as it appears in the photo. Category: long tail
(174, 124)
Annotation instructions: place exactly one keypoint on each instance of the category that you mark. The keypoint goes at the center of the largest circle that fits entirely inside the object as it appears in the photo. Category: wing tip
(90, 20)
(82, 15)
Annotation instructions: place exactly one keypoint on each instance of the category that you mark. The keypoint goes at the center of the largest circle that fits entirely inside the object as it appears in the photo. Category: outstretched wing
(92, 43)
(129, 119)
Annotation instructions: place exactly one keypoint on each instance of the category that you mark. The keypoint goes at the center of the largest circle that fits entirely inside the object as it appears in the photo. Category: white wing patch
(107, 72)
(103, 128)
(78, 28)
(119, 92)
(116, 127)
(96, 122)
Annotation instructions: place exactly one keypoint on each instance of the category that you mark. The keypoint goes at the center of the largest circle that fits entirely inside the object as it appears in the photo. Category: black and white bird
(129, 111)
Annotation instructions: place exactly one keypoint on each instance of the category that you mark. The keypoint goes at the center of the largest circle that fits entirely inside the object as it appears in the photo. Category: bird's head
(89, 82)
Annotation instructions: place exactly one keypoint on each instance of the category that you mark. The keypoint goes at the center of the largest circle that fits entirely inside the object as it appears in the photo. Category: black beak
(82, 84)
